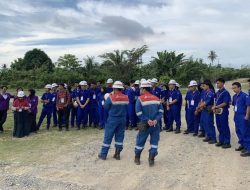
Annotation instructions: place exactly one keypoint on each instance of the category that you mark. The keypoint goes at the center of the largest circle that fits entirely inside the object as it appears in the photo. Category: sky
(83, 27)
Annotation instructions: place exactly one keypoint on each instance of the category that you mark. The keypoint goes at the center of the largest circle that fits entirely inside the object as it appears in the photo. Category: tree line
(36, 68)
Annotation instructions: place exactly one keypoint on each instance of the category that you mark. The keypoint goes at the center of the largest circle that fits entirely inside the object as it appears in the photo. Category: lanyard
(219, 95)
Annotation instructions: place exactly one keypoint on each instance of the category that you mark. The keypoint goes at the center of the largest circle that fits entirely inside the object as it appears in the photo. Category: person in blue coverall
(116, 105)
(101, 110)
(54, 111)
(207, 115)
(201, 127)
(46, 99)
(83, 98)
(149, 109)
(221, 110)
(173, 107)
(73, 111)
(239, 101)
(130, 92)
(94, 114)
(137, 94)
(246, 151)
(192, 98)
(164, 98)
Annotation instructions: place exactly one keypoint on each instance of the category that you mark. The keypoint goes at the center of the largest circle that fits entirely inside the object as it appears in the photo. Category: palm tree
(212, 56)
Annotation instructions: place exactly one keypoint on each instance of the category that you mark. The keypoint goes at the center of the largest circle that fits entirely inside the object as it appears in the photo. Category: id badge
(94, 96)
(62, 100)
(103, 102)
(81, 98)
(170, 99)
(53, 99)
(235, 108)
(20, 110)
(192, 103)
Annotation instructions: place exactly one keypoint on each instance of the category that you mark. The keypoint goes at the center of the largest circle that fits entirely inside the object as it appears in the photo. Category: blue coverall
(174, 112)
(82, 113)
(47, 110)
(131, 119)
(54, 111)
(207, 118)
(193, 121)
(73, 115)
(223, 96)
(116, 105)
(148, 107)
(94, 114)
(240, 107)
(101, 110)
(164, 96)
(247, 133)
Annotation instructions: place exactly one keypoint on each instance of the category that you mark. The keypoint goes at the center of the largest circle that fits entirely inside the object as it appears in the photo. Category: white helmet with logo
(192, 83)
(83, 83)
(48, 86)
(145, 84)
(110, 81)
(20, 94)
(118, 84)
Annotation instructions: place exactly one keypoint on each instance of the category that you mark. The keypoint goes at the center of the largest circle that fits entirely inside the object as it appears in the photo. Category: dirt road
(184, 162)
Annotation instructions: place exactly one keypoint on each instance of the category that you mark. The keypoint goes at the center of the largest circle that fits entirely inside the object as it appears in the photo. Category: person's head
(84, 85)
(4, 88)
(69, 88)
(126, 84)
(172, 84)
(76, 84)
(54, 87)
(99, 83)
(192, 86)
(236, 87)
(19, 89)
(48, 87)
(145, 87)
(137, 84)
(118, 86)
(109, 82)
(207, 85)
(20, 95)
(132, 82)
(220, 82)
(61, 86)
(32, 92)
(103, 90)
(154, 82)
(93, 84)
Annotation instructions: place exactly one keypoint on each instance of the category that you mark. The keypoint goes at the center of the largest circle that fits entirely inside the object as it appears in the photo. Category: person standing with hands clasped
(62, 103)
(150, 111)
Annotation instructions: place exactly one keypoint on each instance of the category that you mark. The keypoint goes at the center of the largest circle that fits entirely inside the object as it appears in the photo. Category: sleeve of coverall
(107, 104)
(138, 111)
(160, 112)
(233, 100)
(226, 98)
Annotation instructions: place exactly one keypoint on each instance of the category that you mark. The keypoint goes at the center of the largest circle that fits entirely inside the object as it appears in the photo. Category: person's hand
(155, 122)
(82, 106)
(247, 117)
(150, 123)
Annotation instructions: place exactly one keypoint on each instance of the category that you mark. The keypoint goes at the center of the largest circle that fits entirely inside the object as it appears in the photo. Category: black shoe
(239, 148)
(60, 129)
(195, 134)
(219, 144)
(117, 155)
(186, 132)
(47, 128)
(206, 139)
(246, 154)
(137, 160)
(169, 130)
(201, 135)
(151, 160)
(177, 131)
(243, 150)
(212, 141)
(101, 157)
(226, 146)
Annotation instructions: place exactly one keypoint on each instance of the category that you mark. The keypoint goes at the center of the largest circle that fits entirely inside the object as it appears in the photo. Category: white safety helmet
(54, 85)
(48, 86)
(110, 81)
(192, 83)
(118, 84)
(154, 80)
(143, 80)
(178, 85)
(149, 80)
(137, 82)
(172, 82)
(145, 84)
(83, 83)
(106, 96)
(20, 94)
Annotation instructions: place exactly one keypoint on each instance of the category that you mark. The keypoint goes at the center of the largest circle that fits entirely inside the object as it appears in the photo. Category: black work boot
(117, 154)
(169, 130)
(137, 159)
(151, 160)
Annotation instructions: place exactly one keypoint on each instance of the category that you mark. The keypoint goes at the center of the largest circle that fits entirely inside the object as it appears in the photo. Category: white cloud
(189, 26)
